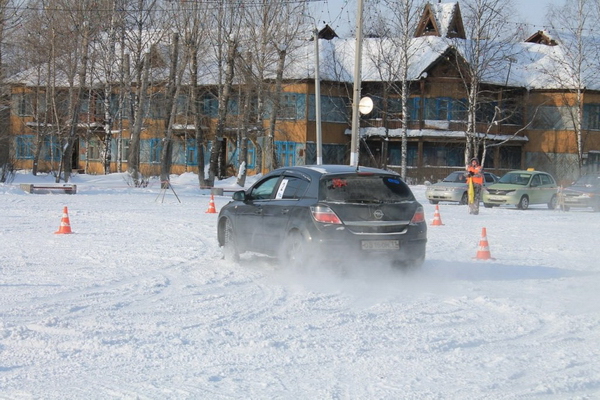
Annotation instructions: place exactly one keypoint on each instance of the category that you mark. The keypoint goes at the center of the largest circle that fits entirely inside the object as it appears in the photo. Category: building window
(591, 116)
(333, 109)
(210, 105)
(287, 107)
(155, 150)
(250, 156)
(440, 155)
(286, 153)
(124, 149)
(158, 107)
(440, 109)
(552, 118)
(94, 150)
(191, 152)
(24, 147)
(23, 104)
(51, 150)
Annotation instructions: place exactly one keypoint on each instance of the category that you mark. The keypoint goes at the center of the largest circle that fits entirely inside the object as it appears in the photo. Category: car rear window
(365, 189)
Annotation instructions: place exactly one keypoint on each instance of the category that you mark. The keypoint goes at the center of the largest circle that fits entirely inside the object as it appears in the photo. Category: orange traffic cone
(65, 225)
(483, 253)
(211, 205)
(437, 220)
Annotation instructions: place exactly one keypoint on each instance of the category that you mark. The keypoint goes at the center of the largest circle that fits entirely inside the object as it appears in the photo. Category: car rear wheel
(523, 203)
(295, 253)
(433, 201)
(488, 205)
(464, 199)
(230, 249)
(553, 204)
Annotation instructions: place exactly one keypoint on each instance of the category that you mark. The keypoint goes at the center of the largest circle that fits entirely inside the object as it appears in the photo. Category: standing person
(475, 176)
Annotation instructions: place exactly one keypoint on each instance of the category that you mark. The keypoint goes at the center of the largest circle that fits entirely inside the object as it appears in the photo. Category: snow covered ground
(137, 304)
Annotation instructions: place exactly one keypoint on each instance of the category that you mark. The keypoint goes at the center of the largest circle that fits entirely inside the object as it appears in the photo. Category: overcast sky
(341, 14)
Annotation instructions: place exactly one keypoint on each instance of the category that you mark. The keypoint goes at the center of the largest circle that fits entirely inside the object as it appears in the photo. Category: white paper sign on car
(281, 189)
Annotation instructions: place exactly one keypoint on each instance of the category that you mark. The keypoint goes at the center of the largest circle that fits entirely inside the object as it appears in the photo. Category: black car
(585, 192)
(329, 212)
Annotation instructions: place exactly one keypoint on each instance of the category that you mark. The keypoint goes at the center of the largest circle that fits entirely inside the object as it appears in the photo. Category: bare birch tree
(395, 53)
(139, 36)
(485, 51)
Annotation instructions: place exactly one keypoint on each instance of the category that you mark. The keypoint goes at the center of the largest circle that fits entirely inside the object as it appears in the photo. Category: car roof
(335, 169)
(524, 171)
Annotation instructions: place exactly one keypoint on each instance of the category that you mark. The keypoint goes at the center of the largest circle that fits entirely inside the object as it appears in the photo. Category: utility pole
(319, 129)
(354, 144)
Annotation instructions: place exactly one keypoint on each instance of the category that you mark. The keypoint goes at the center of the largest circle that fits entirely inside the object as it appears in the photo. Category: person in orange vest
(475, 175)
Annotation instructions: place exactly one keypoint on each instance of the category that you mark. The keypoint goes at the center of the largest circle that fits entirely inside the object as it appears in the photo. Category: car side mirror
(240, 195)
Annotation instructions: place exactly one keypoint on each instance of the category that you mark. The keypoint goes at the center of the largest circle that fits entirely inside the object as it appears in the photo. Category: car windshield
(588, 181)
(516, 178)
(455, 177)
(365, 189)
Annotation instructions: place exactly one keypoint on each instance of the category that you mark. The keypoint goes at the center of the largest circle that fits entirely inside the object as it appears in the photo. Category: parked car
(454, 188)
(326, 212)
(522, 188)
(585, 192)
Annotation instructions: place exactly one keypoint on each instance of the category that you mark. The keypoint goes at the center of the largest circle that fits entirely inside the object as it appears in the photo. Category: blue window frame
(52, 149)
(155, 150)
(286, 153)
(250, 159)
(210, 105)
(24, 147)
(191, 150)
(414, 105)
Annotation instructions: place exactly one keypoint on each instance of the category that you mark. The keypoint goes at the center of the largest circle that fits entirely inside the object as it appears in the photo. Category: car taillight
(325, 215)
(419, 216)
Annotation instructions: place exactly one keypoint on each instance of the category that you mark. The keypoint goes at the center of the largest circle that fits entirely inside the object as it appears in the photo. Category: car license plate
(380, 244)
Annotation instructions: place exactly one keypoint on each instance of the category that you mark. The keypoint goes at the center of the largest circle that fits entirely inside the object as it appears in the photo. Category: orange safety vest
(477, 177)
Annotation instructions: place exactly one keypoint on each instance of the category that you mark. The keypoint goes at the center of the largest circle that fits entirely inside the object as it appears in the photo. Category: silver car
(583, 193)
(454, 188)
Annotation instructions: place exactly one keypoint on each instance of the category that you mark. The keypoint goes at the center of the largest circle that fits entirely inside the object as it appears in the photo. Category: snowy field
(137, 304)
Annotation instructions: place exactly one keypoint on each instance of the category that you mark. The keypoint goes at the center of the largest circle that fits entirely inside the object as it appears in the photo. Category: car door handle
(285, 210)
(258, 211)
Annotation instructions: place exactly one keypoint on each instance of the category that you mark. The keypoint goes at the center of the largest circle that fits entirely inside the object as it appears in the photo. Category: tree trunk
(215, 153)
(167, 150)
(133, 158)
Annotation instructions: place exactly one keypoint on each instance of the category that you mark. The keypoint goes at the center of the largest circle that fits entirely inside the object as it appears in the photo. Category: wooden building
(524, 117)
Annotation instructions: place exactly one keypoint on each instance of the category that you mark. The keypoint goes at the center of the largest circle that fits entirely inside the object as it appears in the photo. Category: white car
(454, 188)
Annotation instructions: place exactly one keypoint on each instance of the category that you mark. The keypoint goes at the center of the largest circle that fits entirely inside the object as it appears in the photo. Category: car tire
(294, 253)
(553, 204)
(230, 248)
(464, 199)
(433, 201)
(523, 203)
(488, 205)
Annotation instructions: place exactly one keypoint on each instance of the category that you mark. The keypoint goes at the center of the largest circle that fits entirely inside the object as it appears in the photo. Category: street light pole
(319, 131)
(354, 144)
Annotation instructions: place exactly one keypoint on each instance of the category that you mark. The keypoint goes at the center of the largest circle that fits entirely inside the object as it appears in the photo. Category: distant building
(524, 116)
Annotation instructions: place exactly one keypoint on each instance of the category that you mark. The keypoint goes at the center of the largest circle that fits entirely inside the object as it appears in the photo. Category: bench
(43, 189)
